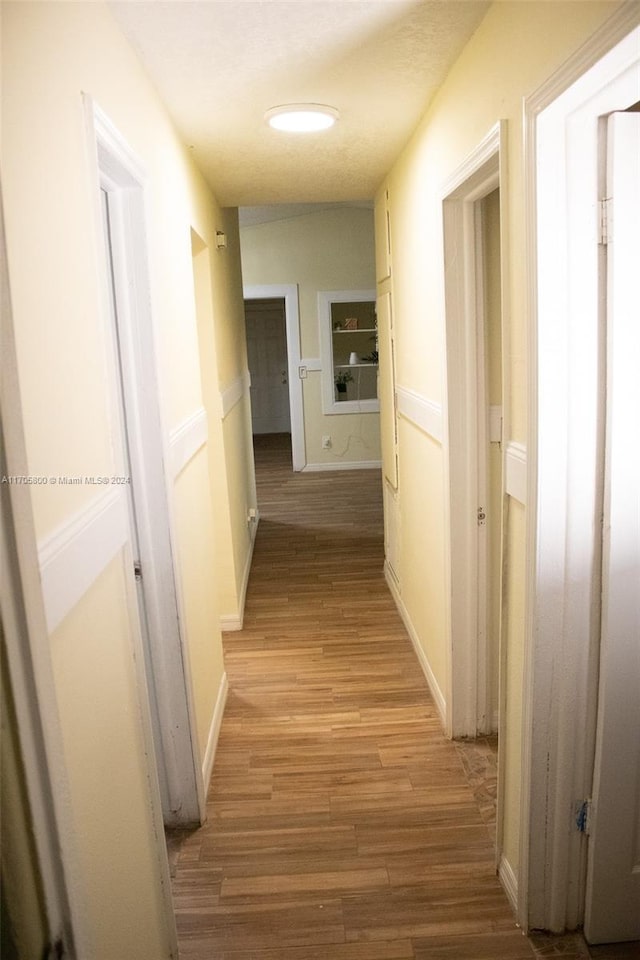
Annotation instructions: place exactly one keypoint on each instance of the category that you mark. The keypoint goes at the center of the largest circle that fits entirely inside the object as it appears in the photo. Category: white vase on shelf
(353, 358)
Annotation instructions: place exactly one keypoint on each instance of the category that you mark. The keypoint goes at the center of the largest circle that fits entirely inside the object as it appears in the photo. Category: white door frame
(30, 669)
(259, 330)
(612, 903)
(467, 707)
(289, 293)
(168, 683)
(564, 443)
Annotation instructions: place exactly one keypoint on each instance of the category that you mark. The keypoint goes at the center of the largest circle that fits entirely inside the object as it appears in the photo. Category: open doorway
(265, 322)
(473, 290)
(273, 356)
(581, 806)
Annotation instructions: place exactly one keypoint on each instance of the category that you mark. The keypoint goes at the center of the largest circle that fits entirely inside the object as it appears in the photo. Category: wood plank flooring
(341, 824)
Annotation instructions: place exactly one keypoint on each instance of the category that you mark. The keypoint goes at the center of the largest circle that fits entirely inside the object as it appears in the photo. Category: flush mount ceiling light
(301, 117)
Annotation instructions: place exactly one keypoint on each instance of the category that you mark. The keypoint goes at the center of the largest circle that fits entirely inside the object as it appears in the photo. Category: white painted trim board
(186, 439)
(509, 881)
(75, 554)
(232, 622)
(421, 412)
(234, 392)
(515, 480)
(436, 692)
(214, 732)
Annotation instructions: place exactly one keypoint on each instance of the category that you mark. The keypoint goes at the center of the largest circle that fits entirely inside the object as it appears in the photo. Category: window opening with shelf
(349, 341)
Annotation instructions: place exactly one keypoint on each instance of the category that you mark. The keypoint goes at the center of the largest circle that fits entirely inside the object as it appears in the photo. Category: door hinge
(583, 817)
(481, 517)
(604, 221)
(137, 570)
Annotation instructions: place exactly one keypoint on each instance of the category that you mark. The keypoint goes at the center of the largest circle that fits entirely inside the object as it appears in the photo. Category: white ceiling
(219, 64)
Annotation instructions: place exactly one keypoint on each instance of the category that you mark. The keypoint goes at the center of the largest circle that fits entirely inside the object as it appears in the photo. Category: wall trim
(343, 465)
(214, 732)
(75, 554)
(483, 153)
(509, 881)
(234, 392)
(465, 428)
(186, 439)
(421, 412)
(436, 692)
(231, 622)
(515, 480)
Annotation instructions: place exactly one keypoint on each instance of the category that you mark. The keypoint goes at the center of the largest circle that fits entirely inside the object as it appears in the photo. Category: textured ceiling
(219, 64)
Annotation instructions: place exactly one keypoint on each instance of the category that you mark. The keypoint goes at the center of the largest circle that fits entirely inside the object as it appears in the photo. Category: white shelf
(348, 366)
(359, 330)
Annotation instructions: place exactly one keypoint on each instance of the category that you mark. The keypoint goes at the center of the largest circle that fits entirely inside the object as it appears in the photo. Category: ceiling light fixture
(301, 117)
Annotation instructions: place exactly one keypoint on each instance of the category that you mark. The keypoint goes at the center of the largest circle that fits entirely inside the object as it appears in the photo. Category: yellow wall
(95, 674)
(53, 53)
(198, 567)
(328, 250)
(516, 47)
(223, 359)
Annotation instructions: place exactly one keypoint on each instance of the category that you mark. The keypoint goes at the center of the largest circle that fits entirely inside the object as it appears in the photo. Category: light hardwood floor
(341, 823)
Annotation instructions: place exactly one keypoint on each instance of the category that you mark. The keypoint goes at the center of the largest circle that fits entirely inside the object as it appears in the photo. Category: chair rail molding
(186, 439)
(75, 554)
(421, 412)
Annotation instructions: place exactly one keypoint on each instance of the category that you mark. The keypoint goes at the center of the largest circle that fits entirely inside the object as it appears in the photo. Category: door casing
(168, 681)
(289, 293)
(468, 711)
(564, 441)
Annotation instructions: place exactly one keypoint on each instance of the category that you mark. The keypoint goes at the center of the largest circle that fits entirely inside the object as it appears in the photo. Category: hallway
(341, 824)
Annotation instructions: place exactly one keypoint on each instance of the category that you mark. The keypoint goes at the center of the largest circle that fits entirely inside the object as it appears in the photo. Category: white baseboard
(214, 732)
(509, 881)
(436, 692)
(343, 465)
(229, 622)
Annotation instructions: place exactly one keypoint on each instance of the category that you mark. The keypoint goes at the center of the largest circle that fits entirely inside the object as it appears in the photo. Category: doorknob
(284, 376)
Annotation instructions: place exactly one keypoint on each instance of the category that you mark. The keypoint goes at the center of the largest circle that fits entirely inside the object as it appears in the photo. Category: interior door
(267, 358)
(169, 802)
(613, 880)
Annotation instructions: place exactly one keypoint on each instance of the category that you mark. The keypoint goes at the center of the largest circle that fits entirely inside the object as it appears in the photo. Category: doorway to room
(265, 323)
(273, 327)
(474, 305)
(582, 673)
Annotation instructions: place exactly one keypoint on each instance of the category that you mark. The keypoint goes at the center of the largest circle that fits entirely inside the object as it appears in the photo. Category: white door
(613, 881)
(166, 682)
(169, 802)
(267, 359)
